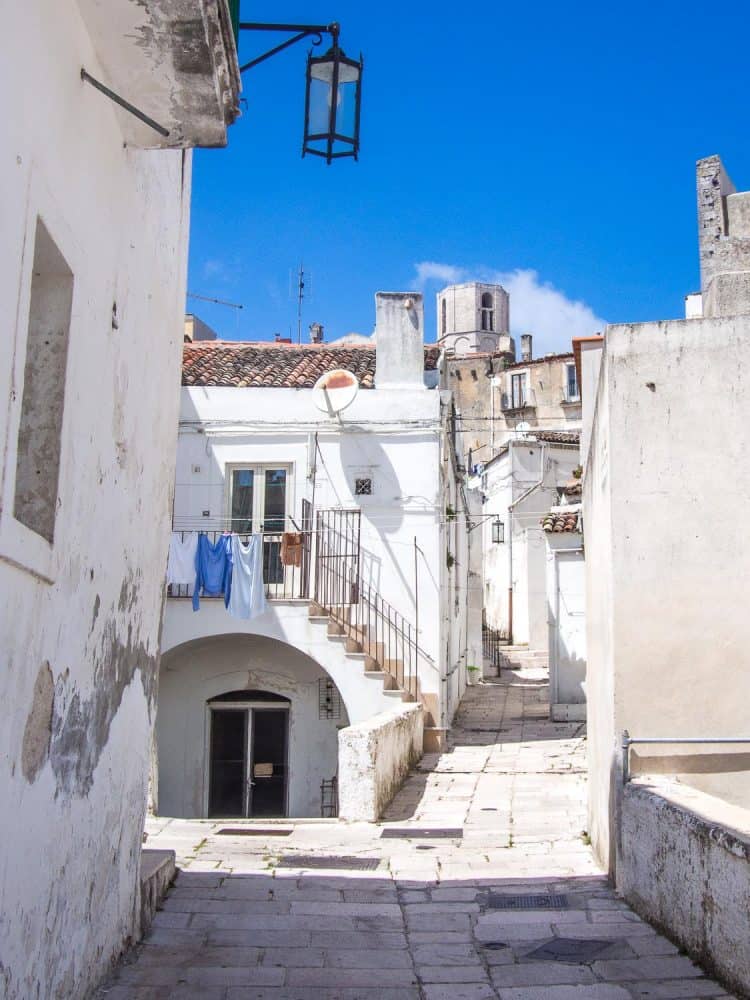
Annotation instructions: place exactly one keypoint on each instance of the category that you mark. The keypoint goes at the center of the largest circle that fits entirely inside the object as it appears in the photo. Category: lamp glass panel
(346, 107)
(320, 107)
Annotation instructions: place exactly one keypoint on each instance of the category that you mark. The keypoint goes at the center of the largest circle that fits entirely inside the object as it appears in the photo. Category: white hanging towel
(247, 598)
(181, 565)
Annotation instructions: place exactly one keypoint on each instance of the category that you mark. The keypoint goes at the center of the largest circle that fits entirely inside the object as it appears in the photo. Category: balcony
(283, 581)
(174, 60)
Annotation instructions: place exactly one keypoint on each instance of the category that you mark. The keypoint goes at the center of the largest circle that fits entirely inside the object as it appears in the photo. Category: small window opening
(571, 386)
(518, 390)
(40, 429)
(444, 317)
(329, 699)
(487, 312)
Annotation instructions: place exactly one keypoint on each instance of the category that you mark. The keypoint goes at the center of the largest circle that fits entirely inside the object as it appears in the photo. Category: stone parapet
(684, 865)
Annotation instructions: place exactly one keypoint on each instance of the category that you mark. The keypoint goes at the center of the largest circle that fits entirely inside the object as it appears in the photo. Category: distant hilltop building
(474, 316)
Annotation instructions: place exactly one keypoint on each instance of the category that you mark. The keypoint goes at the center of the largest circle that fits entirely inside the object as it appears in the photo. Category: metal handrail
(628, 741)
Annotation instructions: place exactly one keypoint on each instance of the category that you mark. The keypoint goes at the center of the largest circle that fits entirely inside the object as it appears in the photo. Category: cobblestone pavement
(504, 900)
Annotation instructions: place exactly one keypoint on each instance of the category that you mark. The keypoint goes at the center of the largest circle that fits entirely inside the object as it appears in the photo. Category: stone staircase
(377, 667)
(523, 658)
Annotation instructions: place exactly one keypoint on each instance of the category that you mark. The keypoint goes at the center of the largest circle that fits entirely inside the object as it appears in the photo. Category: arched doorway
(247, 726)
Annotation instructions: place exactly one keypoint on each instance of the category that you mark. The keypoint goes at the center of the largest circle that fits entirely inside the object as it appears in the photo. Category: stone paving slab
(431, 922)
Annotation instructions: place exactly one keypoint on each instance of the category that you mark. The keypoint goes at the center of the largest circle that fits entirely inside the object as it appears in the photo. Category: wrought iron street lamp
(333, 91)
(498, 531)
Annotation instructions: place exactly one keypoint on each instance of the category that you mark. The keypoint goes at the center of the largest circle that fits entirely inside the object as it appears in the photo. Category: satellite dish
(335, 390)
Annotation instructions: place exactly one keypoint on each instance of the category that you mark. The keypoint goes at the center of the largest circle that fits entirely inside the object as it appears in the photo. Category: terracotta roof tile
(241, 364)
(556, 437)
(559, 521)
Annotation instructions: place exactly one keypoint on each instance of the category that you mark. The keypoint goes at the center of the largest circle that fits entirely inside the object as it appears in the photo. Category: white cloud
(536, 306)
(213, 268)
(429, 270)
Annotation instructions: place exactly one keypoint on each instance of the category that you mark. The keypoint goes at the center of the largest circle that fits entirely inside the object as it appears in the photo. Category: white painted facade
(412, 554)
(666, 557)
(519, 487)
(566, 609)
(93, 263)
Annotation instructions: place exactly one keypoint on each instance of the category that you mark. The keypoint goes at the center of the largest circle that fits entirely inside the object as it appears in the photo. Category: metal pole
(416, 593)
(625, 756)
(140, 115)
(510, 575)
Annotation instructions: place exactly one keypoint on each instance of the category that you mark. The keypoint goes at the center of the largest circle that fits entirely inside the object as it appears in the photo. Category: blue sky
(551, 145)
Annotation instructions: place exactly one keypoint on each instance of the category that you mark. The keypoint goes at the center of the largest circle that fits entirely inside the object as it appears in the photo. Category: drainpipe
(511, 507)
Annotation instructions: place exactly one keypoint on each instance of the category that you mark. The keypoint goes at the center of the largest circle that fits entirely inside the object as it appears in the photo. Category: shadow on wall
(385, 510)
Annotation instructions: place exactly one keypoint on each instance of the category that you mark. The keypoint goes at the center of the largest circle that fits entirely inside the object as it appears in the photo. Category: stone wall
(374, 758)
(684, 865)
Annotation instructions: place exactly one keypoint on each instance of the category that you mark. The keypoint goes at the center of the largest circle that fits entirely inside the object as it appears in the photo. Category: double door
(258, 502)
(247, 761)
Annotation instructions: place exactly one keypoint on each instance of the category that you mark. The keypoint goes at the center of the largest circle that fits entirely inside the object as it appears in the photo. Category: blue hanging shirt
(213, 569)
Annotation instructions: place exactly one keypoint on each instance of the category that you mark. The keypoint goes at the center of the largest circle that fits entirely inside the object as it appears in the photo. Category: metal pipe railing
(628, 741)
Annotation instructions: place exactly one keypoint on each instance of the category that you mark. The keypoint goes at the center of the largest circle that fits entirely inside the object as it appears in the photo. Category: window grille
(363, 486)
(329, 699)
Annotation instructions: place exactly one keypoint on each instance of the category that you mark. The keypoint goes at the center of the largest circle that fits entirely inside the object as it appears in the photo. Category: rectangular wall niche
(40, 430)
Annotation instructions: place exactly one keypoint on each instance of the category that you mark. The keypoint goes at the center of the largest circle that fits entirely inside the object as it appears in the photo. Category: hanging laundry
(291, 548)
(248, 594)
(213, 565)
(183, 547)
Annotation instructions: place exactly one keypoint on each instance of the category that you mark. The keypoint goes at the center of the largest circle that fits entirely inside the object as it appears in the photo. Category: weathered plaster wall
(548, 410)
(80, 618)
(668, 566)
(684, 865)
(192, 674)
(374, 758)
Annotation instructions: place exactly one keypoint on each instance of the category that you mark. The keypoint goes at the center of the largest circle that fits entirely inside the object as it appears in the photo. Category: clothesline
(227, 567)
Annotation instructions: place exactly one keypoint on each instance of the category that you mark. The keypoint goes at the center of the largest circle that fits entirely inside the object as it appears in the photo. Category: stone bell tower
(474, 317)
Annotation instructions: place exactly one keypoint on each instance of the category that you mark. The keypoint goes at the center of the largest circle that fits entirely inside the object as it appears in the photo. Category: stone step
(434, 740)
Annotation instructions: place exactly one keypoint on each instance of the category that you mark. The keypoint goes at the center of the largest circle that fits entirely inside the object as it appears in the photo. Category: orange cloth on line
(291, 549)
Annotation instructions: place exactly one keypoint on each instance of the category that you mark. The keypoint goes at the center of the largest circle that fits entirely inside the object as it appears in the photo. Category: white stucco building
(518, 488)
(374, 615)
(665, 485)
(95, 210)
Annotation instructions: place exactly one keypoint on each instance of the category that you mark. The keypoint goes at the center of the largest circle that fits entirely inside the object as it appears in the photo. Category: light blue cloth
(247, 598)
(213, 569)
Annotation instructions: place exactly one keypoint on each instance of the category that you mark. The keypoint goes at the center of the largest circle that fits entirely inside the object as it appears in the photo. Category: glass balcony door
(259, 498)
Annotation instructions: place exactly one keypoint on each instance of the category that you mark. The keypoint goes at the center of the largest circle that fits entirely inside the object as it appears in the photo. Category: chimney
(399, 340)
(316, 333)
(525, 347)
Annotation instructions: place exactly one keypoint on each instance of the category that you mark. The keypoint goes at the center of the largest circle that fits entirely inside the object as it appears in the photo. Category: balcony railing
(519, 399)
(380, 631)
(285, 578)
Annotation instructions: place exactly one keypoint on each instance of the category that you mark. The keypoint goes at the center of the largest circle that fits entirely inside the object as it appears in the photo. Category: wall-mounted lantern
(498, 531)
(333, 92)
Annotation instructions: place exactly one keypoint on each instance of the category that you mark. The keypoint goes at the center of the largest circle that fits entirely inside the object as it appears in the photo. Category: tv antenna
(302, 282)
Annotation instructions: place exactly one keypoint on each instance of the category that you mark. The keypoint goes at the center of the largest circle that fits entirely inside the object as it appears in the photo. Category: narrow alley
(478, 884)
